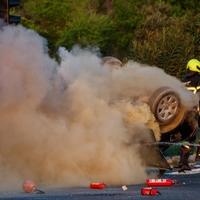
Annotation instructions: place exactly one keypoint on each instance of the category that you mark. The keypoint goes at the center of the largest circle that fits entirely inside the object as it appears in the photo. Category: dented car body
(177, 124)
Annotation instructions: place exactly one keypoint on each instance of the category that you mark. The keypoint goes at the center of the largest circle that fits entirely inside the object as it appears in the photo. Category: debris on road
(97, 185)
(149, 191)
(160, 182)
(30, 187)
(124, 188)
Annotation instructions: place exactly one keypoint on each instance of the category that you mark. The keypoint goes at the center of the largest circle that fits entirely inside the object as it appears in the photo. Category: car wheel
(167, 108)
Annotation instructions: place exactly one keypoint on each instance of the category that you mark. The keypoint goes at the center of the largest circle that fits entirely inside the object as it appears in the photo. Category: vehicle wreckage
(178, 127)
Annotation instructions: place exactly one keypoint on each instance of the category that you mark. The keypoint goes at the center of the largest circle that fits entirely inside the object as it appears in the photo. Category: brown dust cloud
(71, 123)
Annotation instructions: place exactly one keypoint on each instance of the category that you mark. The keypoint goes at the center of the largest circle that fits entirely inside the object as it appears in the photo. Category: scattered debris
(124, 187)
(97, 185)
(30, 187)
(160, 182)
(149, 191)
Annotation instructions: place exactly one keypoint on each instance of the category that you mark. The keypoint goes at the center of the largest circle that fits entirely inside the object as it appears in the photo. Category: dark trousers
(198, 154)
(184, 156)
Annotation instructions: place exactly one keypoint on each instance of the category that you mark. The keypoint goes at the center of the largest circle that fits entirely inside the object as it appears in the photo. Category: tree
(109, 5)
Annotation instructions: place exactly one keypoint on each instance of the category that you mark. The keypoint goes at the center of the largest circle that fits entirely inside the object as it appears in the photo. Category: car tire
(167, 108)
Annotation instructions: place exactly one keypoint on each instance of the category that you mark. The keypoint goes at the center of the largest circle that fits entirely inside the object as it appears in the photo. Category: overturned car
(177, 123)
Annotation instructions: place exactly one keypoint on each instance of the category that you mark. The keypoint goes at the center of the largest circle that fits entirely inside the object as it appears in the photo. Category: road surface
(188, 188)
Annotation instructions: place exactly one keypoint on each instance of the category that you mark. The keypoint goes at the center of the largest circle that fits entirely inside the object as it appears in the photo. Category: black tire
(167, 108)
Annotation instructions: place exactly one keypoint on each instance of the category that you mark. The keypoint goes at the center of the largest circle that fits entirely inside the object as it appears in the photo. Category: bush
(165, 33)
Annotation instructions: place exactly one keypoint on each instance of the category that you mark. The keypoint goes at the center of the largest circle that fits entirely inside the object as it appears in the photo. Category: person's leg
(184, 156)
(198, 154)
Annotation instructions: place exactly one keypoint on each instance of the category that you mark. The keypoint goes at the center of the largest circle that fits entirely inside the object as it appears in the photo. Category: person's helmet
(194, 65)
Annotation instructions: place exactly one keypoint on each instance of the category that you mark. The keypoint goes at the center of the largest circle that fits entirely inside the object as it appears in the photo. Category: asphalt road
(188, 188)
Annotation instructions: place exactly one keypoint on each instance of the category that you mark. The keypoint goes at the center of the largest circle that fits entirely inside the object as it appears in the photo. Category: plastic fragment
(124, 188)
(160, 182)
(149, 191)
(30, 187)
(97, 185)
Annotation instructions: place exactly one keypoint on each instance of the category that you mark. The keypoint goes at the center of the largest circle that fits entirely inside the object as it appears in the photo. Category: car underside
(177, 124)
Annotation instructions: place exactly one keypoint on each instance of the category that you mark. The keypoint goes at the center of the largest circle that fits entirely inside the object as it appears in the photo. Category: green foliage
(165, 40)
(87, 30)
(165, 33)
(125, 18)
(185, 4)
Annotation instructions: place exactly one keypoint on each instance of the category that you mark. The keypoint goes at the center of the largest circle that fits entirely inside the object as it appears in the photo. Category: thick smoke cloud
(74, 122)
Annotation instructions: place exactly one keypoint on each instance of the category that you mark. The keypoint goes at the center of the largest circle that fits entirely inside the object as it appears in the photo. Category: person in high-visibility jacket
(192, 77)
(192, 83)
